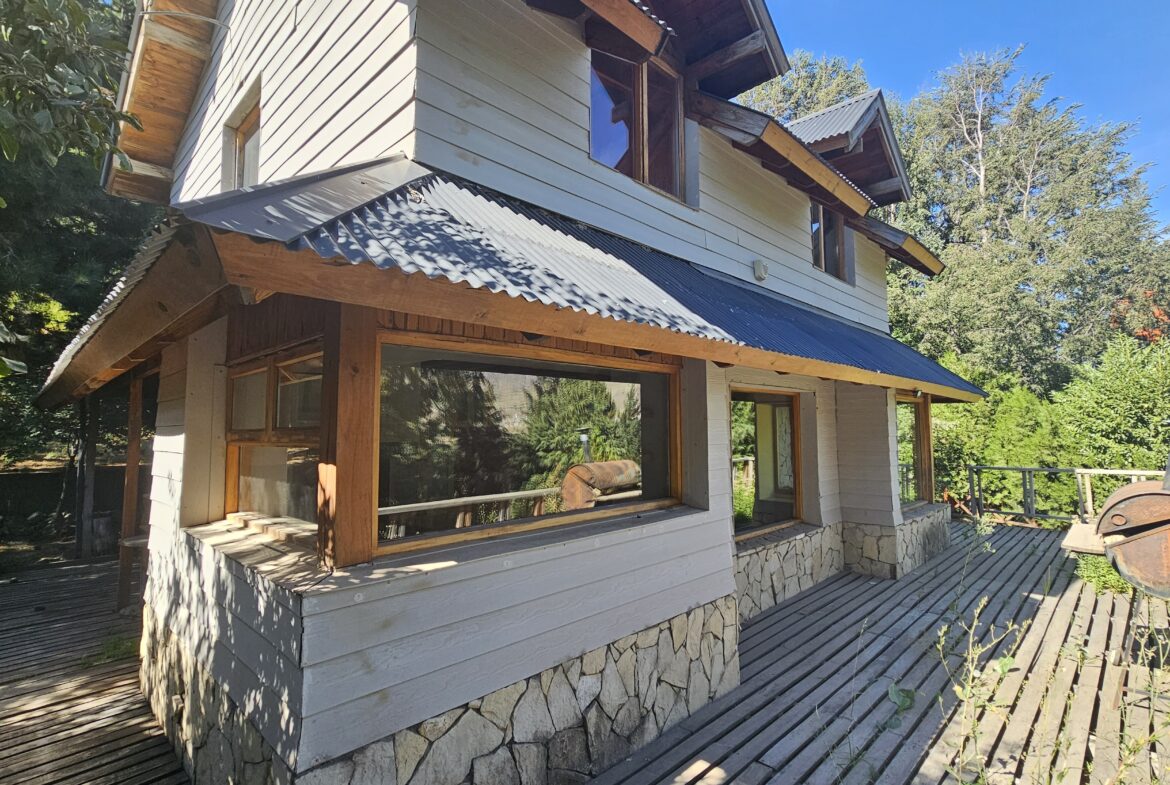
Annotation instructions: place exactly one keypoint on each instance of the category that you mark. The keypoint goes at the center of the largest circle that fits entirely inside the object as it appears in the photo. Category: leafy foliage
(62, 243)
(60, 62)
(1101, 575)
(811, 84)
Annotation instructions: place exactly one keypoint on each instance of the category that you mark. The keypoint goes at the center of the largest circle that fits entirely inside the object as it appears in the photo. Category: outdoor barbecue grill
(1134, 526)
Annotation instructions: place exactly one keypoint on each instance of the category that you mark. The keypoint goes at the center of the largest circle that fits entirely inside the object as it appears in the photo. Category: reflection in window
(298, 393)
(470, 440)
(611, 119)
(249, 401)
(763, 434)
(280, 482)
(635, 121)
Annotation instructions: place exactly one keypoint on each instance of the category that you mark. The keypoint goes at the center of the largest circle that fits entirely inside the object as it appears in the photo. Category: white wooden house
(453, 312)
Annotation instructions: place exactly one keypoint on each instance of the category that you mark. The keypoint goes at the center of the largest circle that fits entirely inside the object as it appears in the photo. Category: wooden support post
(130, 492)
(347, 481)
(86, 468)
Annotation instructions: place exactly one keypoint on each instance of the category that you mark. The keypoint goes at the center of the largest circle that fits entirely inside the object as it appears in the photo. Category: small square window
(298, 393)
(249, 401)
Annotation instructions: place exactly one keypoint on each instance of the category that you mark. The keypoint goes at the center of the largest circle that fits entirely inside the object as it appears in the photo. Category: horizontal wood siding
(866, 454)
(240, 628)
(336, 86)
(390, 645)
(503, 94)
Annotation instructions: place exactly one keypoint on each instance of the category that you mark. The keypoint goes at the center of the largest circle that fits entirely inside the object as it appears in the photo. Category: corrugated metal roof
(148, 253)
(444, 227)
(840, 118)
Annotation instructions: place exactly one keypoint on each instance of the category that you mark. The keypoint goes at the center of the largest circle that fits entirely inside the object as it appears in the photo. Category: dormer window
(829, 250)
(635, 120)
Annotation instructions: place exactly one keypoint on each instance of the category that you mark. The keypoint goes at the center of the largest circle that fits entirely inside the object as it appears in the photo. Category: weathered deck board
(66, 716)
(814, 704)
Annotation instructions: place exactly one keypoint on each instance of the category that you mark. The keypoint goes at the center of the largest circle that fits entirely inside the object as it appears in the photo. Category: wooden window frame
(640, 131)
(269, 435)
(923, 446)
(243, 132)
(797, 456)
(539, 354)
(844, 259)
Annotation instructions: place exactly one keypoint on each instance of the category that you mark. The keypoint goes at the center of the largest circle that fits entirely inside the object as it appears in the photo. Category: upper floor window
(829, 252)
(635, 120)
(245, 149)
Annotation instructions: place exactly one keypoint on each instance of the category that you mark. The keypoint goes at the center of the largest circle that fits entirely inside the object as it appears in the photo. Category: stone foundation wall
(924, 532)
(215, 741)
(773, 567)
(893, 551)
(569, 722)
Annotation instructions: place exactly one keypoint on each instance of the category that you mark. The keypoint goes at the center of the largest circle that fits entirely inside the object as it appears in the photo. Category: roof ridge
(868, 94)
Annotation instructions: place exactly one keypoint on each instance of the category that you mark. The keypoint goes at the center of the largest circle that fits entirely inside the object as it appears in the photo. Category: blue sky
(1111, 57)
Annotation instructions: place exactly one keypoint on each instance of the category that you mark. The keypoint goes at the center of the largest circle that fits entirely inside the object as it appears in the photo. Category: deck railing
(1083, 504)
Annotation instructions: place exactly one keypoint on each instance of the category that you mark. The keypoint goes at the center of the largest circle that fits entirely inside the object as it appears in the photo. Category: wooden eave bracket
(615, 26)
(765, 138)
(729, 55)
(900, 245)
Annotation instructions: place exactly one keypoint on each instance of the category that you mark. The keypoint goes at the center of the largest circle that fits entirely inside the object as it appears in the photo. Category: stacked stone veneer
(562, 725)
(773, 567)
(893, 551)
(211, 735)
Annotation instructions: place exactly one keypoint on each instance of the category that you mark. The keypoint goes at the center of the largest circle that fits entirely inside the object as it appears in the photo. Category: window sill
(768, 536)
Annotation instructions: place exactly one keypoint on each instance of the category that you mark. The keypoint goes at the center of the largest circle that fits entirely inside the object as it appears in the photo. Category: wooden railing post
(347, 481)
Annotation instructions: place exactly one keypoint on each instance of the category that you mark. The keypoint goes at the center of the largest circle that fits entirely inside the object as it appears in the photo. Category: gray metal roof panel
(837, 119)
(148, 253)
(445, 227)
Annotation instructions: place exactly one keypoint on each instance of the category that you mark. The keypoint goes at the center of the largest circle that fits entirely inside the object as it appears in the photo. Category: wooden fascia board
(183, 279)
(748, 125)
(902, 246)
(630, 21)
(787, 146)
(890, 143)
(271, 266)
(761, 19)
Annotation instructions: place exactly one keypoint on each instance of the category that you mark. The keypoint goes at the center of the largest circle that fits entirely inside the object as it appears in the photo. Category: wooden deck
(817, 706)
(70, 709)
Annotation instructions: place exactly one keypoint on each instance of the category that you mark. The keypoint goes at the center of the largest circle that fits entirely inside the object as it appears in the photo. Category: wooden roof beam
(752, 129)
(729, 55)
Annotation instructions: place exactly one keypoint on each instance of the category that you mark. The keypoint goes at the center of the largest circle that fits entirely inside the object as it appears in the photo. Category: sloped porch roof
(406, 219)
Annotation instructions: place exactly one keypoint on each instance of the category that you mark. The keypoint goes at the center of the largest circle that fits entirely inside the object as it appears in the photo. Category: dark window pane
(833, 227)
(764, 460)
(298, 394)
(280, 482)
(815, 228)
(458, 427)
(249, 401)
(611, 106)
(663, 126)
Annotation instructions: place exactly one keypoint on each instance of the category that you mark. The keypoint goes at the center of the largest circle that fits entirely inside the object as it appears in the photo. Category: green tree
(1116, 413)
(60, 63)
(811, 84)
(63, 242)
(1043, 220)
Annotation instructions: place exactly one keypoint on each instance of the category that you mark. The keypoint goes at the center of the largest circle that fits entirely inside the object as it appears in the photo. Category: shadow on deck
(70, 709)
(818, 702)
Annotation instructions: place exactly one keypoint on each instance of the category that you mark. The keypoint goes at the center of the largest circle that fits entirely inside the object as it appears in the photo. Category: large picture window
(765, 458)
(274, 417)
(635, 120)
(476, 440)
